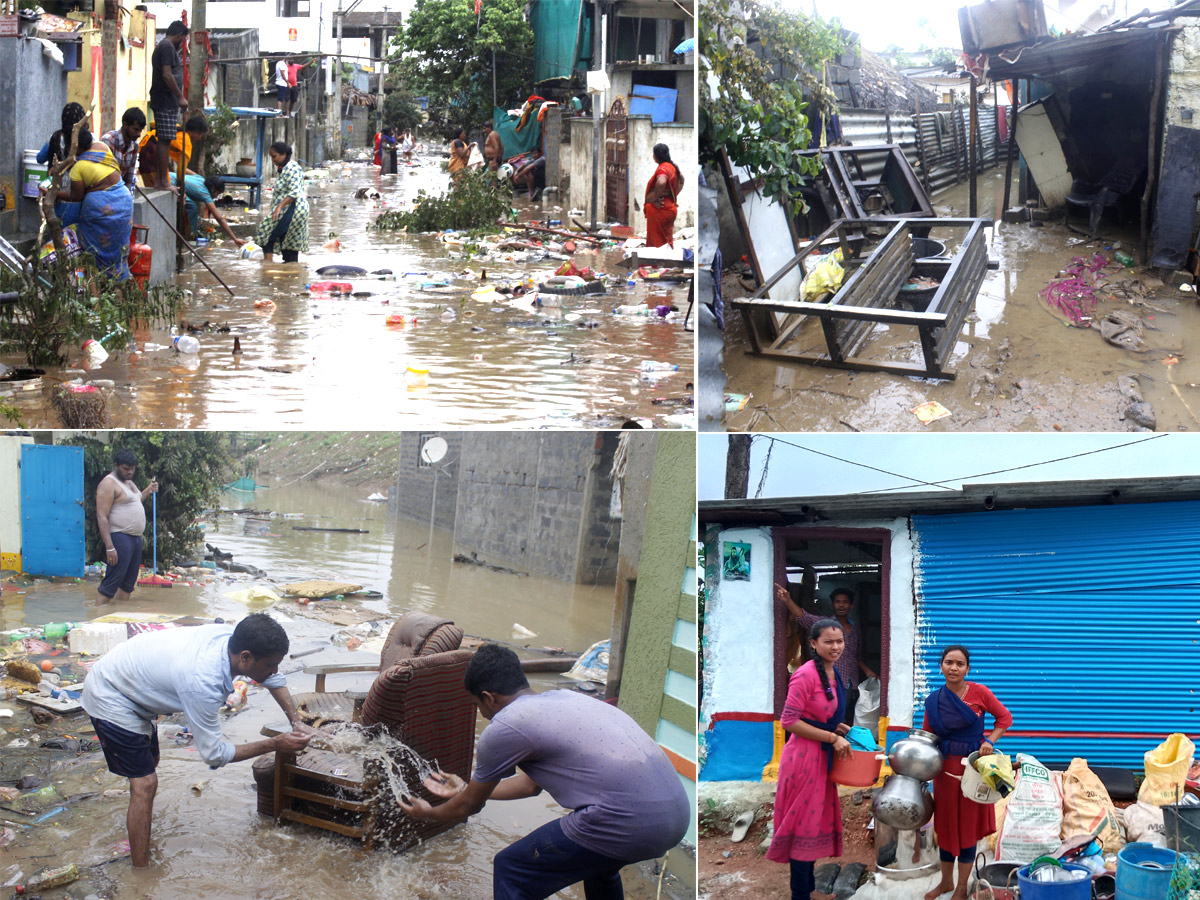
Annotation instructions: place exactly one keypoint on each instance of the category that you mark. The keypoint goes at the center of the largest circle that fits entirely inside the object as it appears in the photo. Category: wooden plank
(359, 806)
(354, 831)
(290, 769)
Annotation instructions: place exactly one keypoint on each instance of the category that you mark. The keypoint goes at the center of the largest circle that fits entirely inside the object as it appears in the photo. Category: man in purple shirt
(850, 669)
(627, 803)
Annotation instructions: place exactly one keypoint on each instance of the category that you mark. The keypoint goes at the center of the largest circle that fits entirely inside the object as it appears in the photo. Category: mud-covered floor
(1020, 365)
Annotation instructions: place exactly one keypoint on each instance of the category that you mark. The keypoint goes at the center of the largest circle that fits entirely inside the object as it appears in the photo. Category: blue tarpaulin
(656, 102)
(527, 140)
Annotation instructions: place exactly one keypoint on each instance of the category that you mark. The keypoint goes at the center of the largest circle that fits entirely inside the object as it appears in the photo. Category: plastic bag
(825, 277)
(1166, 770)
(593, 664)
(255, 596)
(47, 255)
(475, 158)
(996, 771)
(1033, 817)
(1144, 822)
(1087, 808)
(866, 710)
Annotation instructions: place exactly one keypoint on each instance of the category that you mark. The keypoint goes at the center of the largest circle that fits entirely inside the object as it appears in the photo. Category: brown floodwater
(1020, 366)
(321, 361)
(214, 843)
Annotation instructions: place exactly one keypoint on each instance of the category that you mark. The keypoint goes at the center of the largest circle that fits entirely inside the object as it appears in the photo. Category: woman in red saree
(660, 206)
(955, 714)
(808, 814)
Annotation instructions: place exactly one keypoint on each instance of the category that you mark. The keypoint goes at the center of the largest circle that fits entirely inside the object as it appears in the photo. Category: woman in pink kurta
(808, 815)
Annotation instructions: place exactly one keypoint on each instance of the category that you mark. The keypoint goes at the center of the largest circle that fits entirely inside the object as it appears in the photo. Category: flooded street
(332, 361)
(211, 842)
(1021, 366)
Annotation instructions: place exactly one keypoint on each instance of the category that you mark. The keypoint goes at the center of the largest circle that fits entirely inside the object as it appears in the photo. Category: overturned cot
(869, 294)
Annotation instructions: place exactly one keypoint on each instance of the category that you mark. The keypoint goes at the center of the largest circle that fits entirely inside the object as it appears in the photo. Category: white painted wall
(10, 496)
(1183, 77)
(681, 141)
(739, 630)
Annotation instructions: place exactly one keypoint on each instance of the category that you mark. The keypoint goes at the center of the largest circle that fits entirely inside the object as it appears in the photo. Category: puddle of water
(332, 362)
(213, 843)
(1019, 365)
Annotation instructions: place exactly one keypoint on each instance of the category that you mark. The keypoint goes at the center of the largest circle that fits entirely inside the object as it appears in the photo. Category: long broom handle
(154, 508)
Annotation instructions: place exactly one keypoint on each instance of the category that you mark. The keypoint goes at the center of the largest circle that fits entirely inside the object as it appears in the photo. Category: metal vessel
(903, 803)
(916, 756)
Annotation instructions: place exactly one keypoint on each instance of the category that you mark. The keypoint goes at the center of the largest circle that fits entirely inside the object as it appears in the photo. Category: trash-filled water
(207, 839)
(463, 355)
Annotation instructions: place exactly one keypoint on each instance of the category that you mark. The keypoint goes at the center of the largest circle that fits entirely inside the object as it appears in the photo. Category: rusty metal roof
(1052, 56)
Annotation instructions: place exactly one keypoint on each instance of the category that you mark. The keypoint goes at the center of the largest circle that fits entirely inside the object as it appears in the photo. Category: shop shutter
(1084, 621)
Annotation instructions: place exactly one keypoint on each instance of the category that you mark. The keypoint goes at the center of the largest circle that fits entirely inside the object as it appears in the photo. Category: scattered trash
(930, 412)
(592, 664)
(520, 631)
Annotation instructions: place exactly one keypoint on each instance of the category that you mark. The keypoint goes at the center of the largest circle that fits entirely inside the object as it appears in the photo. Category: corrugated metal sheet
(943, 143)
(866, 127)
(52, 541)
(1085, 622)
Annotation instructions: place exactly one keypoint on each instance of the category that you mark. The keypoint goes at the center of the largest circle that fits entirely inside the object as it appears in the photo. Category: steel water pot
(903, 803)
(916, 756)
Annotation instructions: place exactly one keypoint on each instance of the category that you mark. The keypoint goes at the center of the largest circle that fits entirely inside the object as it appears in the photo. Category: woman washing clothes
(954, 712)
(808, 814)
(99, 205)
(287, 225)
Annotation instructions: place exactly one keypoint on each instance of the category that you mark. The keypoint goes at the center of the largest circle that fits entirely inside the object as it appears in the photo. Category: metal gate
(1081, 620)
(616, 164)
(52, 532)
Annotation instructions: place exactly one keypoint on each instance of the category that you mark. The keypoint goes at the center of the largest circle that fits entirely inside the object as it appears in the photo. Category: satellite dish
(433, 450)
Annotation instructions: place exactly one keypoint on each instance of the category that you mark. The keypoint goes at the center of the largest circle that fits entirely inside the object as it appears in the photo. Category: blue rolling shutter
(1084, 621)
(52, 527)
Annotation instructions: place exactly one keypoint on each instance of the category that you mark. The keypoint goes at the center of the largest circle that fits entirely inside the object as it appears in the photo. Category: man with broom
(121, 518)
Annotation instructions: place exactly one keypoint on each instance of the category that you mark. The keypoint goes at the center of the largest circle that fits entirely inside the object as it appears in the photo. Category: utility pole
(197, 62)
(737, 466)
(382, 66)
(337, 88)
(601, 25)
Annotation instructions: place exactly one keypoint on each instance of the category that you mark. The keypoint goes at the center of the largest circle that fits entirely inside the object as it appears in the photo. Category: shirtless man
(121, 519)
(493, 147)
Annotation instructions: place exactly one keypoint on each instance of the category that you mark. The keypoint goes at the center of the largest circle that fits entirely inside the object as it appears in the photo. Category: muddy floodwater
(1020, 365)
(212, 842)
(328, 361)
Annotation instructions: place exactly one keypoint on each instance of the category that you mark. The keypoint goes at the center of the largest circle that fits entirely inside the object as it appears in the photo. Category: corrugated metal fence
(934, 142)
(1085, 622)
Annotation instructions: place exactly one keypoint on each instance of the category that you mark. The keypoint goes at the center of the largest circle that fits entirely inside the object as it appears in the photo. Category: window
(291, 9)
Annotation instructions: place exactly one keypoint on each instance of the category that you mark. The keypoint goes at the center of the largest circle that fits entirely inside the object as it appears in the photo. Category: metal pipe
(181, 239)
(337, 86)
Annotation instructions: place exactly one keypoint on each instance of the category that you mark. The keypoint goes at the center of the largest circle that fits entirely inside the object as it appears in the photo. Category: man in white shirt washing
(188, 670)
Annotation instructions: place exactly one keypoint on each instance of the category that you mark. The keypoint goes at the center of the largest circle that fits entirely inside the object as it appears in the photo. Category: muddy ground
(1020, 364)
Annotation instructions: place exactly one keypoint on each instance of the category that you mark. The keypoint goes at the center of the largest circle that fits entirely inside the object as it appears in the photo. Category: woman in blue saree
(99, 205)
(954, 712)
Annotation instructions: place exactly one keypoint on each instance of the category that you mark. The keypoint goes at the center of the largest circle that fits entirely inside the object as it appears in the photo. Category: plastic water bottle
(650, 365)
(185, 343)
(631, 283)
(47, 879)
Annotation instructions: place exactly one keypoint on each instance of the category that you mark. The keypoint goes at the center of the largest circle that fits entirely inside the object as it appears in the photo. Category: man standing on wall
(166, 93)
(121, 519)
(283, 90)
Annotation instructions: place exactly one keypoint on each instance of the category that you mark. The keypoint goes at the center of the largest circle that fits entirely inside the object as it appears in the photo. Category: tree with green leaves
(761, 73)
(446, 55)
(400, 108)
(190, 467)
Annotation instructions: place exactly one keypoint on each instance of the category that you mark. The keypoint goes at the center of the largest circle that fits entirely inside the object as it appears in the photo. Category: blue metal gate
(1084, 621)
(52, 530)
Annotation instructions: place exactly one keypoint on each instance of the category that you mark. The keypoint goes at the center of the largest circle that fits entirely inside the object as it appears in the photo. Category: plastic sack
(1001, 807)
(1033, 817)
(592, 665)
(825, 277)
(255, 596)
(996, 771)
(1144, 823)
(475, 157)
(251, 250)
(866, 710)
(1166, 770)
(47, 255)
(1087, 808)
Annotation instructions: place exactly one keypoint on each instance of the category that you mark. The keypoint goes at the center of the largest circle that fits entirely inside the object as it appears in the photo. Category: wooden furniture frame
(868, 294)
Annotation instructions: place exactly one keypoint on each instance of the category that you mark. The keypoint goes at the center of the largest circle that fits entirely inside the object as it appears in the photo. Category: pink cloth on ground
(808, 814)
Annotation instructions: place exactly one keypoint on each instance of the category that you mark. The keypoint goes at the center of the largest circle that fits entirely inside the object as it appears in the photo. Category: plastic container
(416, 377)
(626, 310)
(331, 287)
(973, 787)
(631, 282)
(97, 638)
(1143, 871)
(861, 769)
(185, 343)
(251, 250)
(55, 631)
(1123, 258)
(650, 365)
(49, 878)
(94, 352)
(35, 172)
(395, 319)
(1078, 889)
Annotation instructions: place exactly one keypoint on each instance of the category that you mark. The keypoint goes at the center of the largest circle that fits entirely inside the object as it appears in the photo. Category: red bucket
(861, 769)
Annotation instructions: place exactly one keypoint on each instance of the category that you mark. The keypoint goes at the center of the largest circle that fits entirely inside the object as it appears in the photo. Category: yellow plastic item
(255, 596)
(825, 278)
(996, 769)
(1166, 770)
(930, 412)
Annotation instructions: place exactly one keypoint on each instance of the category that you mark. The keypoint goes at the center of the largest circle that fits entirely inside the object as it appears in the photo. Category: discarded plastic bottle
(631, 283)
(185, 343)
(1124, 258)
(49, 878)
(94, 352)
(650, 365)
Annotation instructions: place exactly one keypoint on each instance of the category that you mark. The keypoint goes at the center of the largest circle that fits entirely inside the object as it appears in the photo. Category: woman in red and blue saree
(287, 225)
(99, 205)
(954, 712)
(808, 814)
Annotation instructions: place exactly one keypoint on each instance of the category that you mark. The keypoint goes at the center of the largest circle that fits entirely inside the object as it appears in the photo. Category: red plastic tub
(860, 770)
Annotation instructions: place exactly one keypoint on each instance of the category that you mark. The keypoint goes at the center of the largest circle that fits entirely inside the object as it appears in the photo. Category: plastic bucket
(1143, 871)
(861, 769)
(973, 787)
(35, 172)
(1057, 890)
